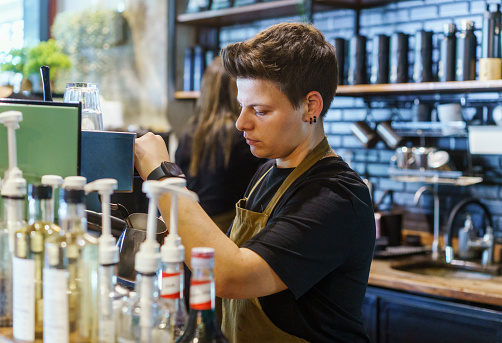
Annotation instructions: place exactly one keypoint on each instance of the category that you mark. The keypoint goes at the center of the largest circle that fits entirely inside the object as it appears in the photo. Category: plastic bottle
(13, 194)
(202, 325)
(28, 263)
(70, 275)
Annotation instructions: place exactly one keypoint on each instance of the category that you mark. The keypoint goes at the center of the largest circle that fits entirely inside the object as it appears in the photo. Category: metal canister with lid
(466, 52)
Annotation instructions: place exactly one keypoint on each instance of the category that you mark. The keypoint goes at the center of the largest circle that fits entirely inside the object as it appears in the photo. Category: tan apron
(243, 319)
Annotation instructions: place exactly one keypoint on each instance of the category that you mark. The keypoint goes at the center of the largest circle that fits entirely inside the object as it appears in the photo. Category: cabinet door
(370, 315)
(410, 319)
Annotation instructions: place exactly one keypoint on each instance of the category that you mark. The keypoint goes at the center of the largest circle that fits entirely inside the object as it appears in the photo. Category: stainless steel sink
(456, 269)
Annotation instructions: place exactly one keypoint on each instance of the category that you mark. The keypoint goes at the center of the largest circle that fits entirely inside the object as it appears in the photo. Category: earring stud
(310, 120)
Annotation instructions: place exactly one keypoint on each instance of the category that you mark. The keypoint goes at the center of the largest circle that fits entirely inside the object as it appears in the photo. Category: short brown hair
(295, 56)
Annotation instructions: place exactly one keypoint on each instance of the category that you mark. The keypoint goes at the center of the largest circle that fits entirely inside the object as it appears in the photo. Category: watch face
(171, 169)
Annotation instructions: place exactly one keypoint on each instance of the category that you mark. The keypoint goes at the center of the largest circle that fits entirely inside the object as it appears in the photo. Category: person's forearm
(196, 229)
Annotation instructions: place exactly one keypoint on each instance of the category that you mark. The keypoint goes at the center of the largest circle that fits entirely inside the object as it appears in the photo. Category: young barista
(295, 265)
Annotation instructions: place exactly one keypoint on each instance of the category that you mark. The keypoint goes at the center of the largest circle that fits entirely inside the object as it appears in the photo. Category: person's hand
(149, 152)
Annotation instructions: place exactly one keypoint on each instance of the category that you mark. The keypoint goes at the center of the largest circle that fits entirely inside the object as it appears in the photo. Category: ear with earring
(315, 119)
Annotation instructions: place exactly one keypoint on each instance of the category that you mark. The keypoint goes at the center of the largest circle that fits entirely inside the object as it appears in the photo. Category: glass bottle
(202, 325)
(71, 275)
(172, 294)
(28, 262)
(143, 317)
(13, 194)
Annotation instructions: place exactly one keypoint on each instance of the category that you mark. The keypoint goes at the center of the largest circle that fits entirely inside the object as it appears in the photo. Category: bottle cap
(74, 196)
(449, 29)
(14, 187)
(202, 257)
(52, 180)
(467, 25)
(74, 182)
(172, 251)
(40, 191)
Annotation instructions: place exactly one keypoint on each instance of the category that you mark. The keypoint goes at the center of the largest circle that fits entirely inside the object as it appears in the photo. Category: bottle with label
(71, 275)
(172, 290)
(28, 262)
(202, 325)
(466, 52)
(13, 194)
(446, 65)
(145, 318)
(109, 299)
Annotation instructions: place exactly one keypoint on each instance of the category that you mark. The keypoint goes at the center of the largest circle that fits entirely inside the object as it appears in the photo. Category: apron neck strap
(321, 150)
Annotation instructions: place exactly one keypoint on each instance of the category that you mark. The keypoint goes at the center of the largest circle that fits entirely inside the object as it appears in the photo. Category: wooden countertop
(383, 275)
(480, 291)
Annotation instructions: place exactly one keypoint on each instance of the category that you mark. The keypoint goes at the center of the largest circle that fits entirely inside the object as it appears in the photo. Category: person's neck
(299, 154)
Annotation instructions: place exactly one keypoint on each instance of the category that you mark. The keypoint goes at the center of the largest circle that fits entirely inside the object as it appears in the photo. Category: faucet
(435, 242)
(465, 240)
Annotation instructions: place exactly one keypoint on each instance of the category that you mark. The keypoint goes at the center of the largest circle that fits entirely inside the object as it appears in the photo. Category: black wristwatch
(166, 169)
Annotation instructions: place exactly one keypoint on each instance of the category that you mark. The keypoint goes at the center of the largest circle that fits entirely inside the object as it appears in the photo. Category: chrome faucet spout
(435, 242)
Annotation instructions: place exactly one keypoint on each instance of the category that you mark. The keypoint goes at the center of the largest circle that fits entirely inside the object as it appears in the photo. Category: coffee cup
(448, 113)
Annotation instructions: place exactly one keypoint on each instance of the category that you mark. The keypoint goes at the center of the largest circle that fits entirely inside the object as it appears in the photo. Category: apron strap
(321, 150)
(258, 182)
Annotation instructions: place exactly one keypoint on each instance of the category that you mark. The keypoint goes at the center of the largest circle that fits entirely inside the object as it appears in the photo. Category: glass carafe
(88, 95)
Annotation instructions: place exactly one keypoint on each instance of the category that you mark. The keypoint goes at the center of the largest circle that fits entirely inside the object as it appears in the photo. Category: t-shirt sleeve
(309, 236)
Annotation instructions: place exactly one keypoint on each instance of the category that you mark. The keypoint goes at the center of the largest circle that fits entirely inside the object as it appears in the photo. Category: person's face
(273, 128)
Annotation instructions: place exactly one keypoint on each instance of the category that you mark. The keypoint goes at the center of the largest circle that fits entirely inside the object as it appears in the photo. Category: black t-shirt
(319, 240)
(219, 189)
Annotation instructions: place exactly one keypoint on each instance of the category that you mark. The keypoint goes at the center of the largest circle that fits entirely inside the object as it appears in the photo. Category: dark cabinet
(395, 317)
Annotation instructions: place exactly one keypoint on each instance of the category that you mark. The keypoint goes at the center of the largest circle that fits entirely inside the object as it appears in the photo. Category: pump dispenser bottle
(28, 262)
(70, 275)
(173, 252)
(145, 319)
(109, 299)
(13, 194)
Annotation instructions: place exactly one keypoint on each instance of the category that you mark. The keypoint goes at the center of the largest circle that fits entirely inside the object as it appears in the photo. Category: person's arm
(239, 272)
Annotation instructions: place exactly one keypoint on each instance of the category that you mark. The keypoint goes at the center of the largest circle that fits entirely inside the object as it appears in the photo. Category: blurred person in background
(212, 153)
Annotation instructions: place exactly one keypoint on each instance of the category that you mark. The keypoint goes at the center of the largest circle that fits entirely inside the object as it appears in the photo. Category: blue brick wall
(373, 164)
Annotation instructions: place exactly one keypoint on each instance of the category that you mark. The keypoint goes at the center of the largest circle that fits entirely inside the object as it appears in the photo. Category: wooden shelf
(267, 10)
(400, 89)
(474, 86)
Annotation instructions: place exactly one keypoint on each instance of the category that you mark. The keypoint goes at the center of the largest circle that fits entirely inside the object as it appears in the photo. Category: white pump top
(52, 180)
(108, 251)
(172, 250)
(11, 121)
(14, 187)
(76, 182)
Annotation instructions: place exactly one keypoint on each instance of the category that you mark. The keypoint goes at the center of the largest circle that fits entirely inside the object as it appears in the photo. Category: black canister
(380, 59)
(399, 58)
(340, 57)
(422, 71)
(466, 52)
(490, 45)
(357, 73)
(448, 51)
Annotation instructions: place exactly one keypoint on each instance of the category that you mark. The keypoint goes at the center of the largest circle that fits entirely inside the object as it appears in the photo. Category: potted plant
(47, 53)
(14, 62)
